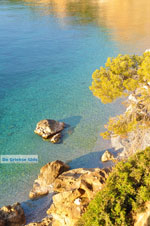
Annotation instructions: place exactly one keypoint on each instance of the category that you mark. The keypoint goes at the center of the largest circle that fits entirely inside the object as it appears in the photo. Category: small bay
(48, 52)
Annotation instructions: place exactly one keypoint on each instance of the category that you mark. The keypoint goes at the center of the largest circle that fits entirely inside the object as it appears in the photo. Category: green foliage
(119, 126)
(120, 76)
(124, 194)
(144, 69)
(137, 117)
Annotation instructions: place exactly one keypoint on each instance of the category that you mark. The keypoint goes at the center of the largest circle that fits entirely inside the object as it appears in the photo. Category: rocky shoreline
(71, 189)
(59, 195)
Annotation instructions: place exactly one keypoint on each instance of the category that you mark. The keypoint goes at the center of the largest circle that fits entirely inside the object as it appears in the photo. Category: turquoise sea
(48, 51)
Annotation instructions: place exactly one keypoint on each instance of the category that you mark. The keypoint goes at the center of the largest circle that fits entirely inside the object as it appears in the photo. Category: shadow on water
(93, 160)
(35, 210)
(70, 125)
(71, 121)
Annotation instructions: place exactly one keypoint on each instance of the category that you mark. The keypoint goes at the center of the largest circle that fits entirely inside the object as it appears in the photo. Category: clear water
(48, 51)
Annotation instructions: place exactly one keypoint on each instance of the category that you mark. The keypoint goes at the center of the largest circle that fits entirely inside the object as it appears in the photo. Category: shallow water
(48, 51)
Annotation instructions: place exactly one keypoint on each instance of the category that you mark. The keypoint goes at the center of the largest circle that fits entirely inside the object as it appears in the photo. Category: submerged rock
(107, 156)
(48, 174)
(12, 215)
(76, 189)
(47, 127)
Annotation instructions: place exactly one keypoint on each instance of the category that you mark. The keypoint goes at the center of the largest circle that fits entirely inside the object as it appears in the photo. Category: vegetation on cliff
(123, 76)
(125, 193)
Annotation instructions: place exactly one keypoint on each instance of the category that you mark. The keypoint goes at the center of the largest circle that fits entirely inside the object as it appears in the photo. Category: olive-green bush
(124, 194)
(122, 76)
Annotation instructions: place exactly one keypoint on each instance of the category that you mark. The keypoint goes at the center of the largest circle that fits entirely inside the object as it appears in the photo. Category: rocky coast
(72, 189)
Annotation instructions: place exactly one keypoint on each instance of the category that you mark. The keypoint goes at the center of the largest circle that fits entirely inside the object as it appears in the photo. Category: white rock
(147, 50)
(107, 156)
(77, 201)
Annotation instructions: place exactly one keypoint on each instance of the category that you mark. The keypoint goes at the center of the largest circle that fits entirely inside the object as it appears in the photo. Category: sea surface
(48, 52)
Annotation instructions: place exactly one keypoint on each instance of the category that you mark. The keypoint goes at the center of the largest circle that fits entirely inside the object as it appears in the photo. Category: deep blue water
(47, 56)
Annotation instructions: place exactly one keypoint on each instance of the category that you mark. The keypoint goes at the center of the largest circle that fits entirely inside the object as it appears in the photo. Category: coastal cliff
(117, 196)
(85, 197)
(123, 196)
(124, 200)
(72, 192)
(139, 137)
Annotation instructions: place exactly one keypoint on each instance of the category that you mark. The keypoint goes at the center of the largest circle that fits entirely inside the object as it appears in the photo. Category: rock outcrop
(50, 129)
(135, 140)
(75, 190)
(56, 138)
(12, 215)
(48, 174)
(139, 137)
(107, 156)
(45, 222)
(143, 219)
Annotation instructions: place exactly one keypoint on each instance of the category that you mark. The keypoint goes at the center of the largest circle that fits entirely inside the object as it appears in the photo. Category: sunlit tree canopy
(125, 75)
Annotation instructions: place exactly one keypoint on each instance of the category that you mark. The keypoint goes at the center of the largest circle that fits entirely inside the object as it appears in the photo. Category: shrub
(124, 194)
(122, 76)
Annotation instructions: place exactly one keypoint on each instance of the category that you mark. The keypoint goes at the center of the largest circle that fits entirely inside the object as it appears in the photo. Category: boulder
(107, 156)
(45, 222)
(143, 219)
(76, 178)
(135, 140)
(76, 189)
(56, 138)
(139, 138)
(12, 215)
(48, 174)
(64, 209)
(47, 127)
